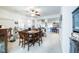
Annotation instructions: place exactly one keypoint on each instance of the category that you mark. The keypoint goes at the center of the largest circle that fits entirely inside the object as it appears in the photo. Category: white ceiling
(44, 10)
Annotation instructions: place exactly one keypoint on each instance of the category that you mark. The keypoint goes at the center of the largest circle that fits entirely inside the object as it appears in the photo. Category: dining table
(32, 31)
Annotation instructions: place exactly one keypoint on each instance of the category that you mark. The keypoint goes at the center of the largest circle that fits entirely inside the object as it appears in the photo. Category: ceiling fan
(33, 12)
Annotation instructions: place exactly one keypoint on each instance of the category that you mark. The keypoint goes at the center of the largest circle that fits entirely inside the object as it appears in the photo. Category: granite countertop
(74, 38)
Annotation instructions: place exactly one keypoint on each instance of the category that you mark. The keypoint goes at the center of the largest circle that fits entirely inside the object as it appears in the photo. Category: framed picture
(75, 14)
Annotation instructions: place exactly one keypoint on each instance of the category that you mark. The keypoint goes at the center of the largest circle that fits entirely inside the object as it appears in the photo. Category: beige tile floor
(51, 44)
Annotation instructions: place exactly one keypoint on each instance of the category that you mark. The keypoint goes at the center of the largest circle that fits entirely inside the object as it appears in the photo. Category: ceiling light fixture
(33, 11)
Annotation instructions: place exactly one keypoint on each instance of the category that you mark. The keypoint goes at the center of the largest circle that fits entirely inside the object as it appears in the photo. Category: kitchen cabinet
(74, 45)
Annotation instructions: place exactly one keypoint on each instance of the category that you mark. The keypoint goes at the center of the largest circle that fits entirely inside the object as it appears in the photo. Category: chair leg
(24, 44)
(19, 42)
(28, 46)
(39, 42)
(33, 42)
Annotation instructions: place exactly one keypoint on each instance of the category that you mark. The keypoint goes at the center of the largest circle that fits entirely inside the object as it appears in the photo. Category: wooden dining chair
(37, 38)
(20, 38)
(40, 36)
(9, 33)
(29, 29)
(43, 32)
(27, 40)
(34, 37)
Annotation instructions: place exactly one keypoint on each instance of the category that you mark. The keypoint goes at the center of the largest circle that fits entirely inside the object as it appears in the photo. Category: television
(75, 15)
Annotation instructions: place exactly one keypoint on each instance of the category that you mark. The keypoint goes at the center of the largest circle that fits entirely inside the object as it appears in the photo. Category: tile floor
(51, 44)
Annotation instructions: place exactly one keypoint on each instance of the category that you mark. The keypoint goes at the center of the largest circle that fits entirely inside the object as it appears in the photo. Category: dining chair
(43, 32)
(27, 40)
(37, 38)
(9, 33)
(29, 29)
(20, 38)
(40, 36)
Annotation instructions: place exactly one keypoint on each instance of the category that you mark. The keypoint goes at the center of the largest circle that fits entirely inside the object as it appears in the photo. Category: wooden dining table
(32, 31)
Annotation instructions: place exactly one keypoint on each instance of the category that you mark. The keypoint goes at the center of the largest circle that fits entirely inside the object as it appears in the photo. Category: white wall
(7, 23)
(66, 27)
(7, 18)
